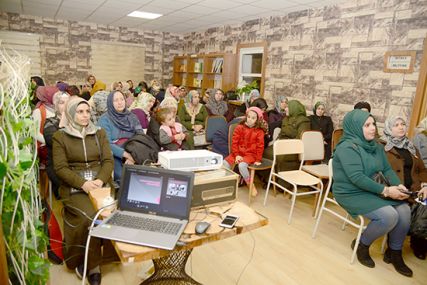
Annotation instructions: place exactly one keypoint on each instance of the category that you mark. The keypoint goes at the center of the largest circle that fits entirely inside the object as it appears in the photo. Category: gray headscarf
(68, 119)
(217, 107)
(391, 141)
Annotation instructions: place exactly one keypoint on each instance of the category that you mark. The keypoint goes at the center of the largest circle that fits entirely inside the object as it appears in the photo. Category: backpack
(53, 231)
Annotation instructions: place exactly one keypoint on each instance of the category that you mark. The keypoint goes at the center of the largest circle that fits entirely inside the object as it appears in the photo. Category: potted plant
(243, 89)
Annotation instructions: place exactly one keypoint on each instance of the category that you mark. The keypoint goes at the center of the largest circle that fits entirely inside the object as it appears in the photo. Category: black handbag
(380, 178)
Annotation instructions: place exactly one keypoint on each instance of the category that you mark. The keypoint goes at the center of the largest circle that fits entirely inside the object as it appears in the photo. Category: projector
(190, 160)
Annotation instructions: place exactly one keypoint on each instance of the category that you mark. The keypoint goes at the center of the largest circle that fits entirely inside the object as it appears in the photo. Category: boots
(363, 254)
(395, 257)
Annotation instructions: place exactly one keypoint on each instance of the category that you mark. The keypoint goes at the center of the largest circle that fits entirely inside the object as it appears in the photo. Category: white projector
(190, 160)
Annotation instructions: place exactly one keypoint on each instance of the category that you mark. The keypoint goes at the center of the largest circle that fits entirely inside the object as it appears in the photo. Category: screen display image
(145, 189)
(177, 188)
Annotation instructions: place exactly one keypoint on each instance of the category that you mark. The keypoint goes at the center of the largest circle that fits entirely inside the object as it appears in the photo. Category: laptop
(153, 207)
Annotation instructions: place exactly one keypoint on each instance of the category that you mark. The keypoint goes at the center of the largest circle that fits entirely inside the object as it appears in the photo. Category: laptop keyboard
(145, 224)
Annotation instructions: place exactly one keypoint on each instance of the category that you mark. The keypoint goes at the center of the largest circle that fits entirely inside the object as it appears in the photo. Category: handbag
(380, 178)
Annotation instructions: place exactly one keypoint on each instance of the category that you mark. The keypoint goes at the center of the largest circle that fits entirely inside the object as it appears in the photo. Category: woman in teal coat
(357, 159)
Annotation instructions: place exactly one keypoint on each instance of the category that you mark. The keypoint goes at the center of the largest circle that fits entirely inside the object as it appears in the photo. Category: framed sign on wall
(399, 61)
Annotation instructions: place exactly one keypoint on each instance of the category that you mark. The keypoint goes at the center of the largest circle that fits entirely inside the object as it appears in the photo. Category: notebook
(153, 207)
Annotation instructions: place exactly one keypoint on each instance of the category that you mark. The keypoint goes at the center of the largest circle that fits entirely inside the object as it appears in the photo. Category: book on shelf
(182, 68)
(218, 83)
(184, 81)
(217, 65)
(197, 82)
(198, 66)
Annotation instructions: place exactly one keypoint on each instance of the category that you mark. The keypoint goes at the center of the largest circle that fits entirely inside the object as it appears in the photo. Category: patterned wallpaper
(66, 46)
(333, 54)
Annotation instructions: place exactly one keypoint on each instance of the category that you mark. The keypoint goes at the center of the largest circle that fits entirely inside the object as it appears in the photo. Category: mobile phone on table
(229, 221)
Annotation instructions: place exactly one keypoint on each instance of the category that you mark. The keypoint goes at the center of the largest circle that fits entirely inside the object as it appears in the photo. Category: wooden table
(169, 265)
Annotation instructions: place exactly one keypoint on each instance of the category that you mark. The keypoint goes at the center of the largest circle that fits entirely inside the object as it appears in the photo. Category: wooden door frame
(264, 61)
(419, 105)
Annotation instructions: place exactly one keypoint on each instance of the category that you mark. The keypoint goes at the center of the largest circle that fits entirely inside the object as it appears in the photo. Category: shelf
(215, 70)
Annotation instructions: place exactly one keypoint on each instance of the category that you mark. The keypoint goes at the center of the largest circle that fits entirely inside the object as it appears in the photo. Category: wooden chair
(340, 213)
(336, 136)
(294, 177)
(265, 163)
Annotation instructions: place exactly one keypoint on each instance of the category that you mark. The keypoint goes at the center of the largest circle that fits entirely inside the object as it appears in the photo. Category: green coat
(353, 187)
(185, 118)
(69, 159)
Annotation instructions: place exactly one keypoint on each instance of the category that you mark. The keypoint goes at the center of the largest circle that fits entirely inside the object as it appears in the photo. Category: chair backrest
(330, 178)
(288, 146)
(213, 124)
(230, 135)
(276, 133)
(336, 136)
(314, 148)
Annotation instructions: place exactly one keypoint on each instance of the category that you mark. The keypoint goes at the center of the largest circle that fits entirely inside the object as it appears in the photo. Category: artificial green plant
(20, 206)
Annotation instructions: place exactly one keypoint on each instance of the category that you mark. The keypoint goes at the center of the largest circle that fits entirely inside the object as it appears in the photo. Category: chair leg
(318, 197)
(292, 204)
(274, 187)
(268, 186)
(345, 222)
(319, 217)
(359, 234)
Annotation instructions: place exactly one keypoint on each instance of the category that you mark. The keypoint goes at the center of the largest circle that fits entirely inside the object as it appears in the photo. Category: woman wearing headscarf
(324, 124)
(193, 114)
(141, 107)
(358, 158)
(99, 85)
(120, 125)
(216, 104)
(279, 112)
(83, 162)
(98, 102)
(50, 127)
(406, 162)
(420, 140)
(44, 109)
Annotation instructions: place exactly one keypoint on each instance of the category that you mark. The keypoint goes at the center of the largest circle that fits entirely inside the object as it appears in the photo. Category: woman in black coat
(322, 123)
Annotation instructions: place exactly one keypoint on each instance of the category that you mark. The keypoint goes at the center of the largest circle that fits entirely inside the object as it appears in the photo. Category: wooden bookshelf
(204, 71)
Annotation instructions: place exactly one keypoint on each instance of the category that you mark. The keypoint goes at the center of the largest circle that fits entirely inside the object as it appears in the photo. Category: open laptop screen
(156, 191)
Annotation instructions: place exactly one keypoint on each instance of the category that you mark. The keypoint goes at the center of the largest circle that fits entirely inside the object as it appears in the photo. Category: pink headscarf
(45, 95)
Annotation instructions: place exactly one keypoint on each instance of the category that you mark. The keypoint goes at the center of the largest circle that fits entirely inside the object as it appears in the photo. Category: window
(112, 61)
(25, 44)
(252, 59)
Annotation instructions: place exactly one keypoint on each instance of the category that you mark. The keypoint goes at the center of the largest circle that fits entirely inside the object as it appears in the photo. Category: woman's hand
(90, 185)
(98, 182)
(395, 193)
(238, 159)
(422, 194)
(128, 157)
(197, 128)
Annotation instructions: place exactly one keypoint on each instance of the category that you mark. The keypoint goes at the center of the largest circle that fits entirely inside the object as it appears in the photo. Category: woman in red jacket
(248, 143)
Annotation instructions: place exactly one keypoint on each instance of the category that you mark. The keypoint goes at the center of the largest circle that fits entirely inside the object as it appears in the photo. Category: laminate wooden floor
(278, 253)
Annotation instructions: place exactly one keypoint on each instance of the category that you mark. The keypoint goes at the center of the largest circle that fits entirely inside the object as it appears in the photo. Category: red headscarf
(45, 95)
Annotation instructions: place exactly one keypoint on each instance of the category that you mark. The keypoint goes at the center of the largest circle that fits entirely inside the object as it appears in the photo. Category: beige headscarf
(142, 101)
(68, 119)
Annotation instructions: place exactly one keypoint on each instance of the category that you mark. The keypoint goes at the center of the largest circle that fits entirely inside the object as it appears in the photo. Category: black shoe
(419, 255)
(79, 271)
(363, 254)
(395, 257)
(94, 279)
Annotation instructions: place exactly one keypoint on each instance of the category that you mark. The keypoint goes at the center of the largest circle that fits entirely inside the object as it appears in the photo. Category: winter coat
(418, 172)
(185, 118)
(69, 154)
(247, 143)
(142, 148)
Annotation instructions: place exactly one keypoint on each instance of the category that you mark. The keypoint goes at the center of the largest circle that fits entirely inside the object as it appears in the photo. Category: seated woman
(50, 127)
(120, 125)
(322, 123)
(141, 107)
(82, 160)
(276, 115)
(292, 128)
(420, 140)
(406, 162)
(192, 115)
(216, 104)
(357, 159)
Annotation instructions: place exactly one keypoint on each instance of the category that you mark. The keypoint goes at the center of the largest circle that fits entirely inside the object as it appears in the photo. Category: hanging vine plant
(19, 197)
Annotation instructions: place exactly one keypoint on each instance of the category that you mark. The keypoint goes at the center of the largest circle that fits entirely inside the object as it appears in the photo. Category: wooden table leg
(251, 183)
(170, 270)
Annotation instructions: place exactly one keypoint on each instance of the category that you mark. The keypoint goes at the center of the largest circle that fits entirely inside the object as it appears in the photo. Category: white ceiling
(179, 16)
